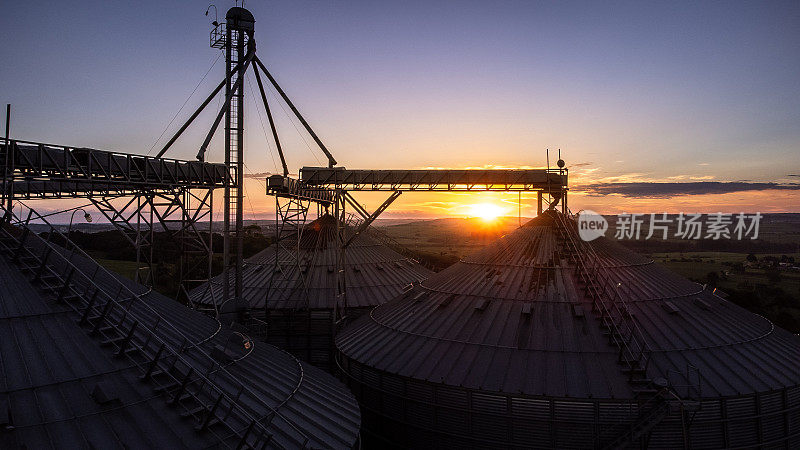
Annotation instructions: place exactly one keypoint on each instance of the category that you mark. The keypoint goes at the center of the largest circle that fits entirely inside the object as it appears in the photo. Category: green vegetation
(124, 268)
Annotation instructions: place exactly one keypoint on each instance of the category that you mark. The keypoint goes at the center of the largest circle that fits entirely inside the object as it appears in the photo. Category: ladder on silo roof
(104, 306)
(615, 317)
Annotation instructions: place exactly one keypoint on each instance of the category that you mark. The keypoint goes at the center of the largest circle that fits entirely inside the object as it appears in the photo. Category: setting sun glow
(486, 211)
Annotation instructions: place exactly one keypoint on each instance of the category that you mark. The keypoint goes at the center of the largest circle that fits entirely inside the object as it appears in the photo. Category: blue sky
(630, 91)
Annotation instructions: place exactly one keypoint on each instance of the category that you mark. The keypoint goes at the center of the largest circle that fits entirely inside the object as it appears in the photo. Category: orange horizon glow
(430, 205)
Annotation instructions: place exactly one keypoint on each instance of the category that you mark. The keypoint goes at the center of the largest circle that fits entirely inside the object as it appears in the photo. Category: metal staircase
(656, 398)
(177, 369)
(616, 319)
(649, 414)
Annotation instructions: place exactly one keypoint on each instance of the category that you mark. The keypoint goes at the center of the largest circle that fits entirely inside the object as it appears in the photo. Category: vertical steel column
(238, 36)
(137, 277)
(538, 203)
(340, 307)
(8, 170)
(226, 227)
(239, 100)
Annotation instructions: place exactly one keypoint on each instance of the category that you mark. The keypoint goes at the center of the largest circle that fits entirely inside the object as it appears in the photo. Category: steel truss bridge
(38, 170)
(449, 180)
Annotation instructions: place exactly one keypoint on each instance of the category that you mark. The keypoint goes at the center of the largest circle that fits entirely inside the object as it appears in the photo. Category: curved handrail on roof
(53, 249)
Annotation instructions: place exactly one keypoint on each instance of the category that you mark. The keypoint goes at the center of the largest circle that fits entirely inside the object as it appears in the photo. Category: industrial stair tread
(210, 423)
(166, 386)
(648, 417)
(194, 411)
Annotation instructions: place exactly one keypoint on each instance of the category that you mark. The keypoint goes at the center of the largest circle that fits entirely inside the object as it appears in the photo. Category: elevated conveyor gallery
(36, 170)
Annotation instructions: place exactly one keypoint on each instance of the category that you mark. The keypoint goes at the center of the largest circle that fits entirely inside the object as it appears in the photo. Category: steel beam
(8, 169)
(192, 117)
(359, 209)
(331, 159)
(201, 154)
(271, 121)
(371, 218)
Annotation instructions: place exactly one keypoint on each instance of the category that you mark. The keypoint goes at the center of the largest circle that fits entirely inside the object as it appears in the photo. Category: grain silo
(92, 360)
(543, 341)
(291, 292)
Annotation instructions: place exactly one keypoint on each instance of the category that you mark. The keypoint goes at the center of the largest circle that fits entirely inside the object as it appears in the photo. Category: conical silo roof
(514, 321)
(375, 273)
(97, 380)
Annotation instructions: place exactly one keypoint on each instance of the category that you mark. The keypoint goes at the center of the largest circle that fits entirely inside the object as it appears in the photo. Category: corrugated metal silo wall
(400, 412)
(306, 333)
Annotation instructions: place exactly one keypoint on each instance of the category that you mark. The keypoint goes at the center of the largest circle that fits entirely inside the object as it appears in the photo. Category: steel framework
(176, 213)
(137, 194)
(158, 191)
(39, 170)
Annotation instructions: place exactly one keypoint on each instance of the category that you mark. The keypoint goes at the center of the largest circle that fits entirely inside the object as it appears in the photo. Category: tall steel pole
(8, 169)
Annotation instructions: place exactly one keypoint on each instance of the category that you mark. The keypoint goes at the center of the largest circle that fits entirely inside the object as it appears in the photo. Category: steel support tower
(239, 28)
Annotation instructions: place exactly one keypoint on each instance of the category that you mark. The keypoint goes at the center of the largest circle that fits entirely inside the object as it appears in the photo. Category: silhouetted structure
(293, 306)
(542, 340)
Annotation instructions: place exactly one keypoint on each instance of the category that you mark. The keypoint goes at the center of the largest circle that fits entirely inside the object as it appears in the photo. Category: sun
(486, 211)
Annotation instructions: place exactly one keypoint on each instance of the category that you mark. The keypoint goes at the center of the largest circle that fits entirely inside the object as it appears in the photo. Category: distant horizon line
(420, 219)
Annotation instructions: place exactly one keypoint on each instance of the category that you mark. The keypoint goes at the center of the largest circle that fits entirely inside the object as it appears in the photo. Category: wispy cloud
(668, 190)
(483, 167)
(258, 175)
(691, 178)
(435, 205)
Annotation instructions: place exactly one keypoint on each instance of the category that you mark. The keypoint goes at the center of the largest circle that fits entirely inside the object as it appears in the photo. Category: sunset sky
(633, 93)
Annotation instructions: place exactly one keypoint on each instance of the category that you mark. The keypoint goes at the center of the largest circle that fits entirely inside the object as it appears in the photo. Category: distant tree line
(709, 245)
